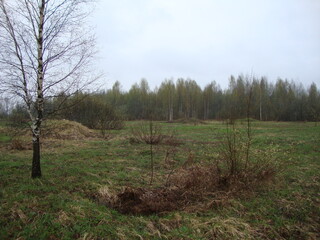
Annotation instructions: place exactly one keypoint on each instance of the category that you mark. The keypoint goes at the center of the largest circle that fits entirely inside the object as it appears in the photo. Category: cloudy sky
(207, 40)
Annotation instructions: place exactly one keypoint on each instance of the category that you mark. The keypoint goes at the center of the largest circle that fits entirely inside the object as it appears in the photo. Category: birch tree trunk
(36, 167)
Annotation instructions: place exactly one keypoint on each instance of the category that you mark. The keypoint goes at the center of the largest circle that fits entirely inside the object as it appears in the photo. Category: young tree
(45, 49)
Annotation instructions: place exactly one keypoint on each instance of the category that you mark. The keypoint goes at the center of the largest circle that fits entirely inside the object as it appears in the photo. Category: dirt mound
(65, 129)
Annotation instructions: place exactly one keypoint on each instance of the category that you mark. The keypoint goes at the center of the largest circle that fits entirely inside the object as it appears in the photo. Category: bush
(94, 113)
(240, 164)
(150, 133)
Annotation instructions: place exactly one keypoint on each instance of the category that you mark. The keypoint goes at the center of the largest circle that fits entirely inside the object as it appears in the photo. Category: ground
(62, 204)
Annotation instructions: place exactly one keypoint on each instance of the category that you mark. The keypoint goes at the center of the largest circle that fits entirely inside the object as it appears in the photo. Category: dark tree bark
(36, 167)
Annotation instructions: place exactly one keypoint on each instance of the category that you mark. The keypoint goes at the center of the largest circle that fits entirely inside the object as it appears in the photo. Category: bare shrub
(232, 150)
(150, 133)
(240, 164)
(109, 123)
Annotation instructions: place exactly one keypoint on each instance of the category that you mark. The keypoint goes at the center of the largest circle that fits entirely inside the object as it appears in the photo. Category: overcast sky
(207, 40)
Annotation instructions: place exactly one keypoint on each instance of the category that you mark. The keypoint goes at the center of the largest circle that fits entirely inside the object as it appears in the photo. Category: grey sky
(208, 40)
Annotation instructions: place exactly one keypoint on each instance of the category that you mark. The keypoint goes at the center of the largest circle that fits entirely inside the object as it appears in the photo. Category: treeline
(184, 99)
(245, 96)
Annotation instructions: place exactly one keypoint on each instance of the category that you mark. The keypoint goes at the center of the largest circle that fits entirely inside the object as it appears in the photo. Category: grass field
(60, 205)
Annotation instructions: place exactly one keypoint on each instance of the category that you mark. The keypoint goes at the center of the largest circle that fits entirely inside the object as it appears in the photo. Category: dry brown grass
(192, 188)
(19, 144)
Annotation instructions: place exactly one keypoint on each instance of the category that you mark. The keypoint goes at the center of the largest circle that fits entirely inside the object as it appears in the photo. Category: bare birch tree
(45, 50)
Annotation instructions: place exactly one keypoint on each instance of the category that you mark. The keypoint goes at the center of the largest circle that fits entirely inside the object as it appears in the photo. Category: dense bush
(94, 113)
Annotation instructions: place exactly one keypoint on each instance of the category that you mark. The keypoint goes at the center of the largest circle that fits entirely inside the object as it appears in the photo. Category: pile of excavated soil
(50, 130)
(65, 129)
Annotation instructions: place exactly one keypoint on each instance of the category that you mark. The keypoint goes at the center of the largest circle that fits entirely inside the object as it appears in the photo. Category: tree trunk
(36, 168)
(260, 106)
(170, 113)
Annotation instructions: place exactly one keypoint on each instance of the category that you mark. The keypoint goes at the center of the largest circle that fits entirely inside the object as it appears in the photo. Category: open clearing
(61, 205)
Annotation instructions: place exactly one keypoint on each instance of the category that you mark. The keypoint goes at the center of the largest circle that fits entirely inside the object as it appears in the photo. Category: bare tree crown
(66, 51)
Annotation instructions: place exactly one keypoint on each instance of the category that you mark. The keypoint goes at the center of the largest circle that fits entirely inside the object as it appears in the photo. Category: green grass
(60, 204)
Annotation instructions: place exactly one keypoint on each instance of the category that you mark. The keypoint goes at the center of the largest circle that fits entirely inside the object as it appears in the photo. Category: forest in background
(184, 99)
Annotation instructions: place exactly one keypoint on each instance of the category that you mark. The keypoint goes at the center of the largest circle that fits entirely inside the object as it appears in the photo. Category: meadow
(63, 203)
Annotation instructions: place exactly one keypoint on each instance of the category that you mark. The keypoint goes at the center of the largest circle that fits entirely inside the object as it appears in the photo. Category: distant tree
(45, 49)
(166, 95)
(314, 103)
(279, 100)
(302, 96)
(229, 109)
(207, 100)
(193, 98)
(211, 100)
(138, 100)
(144, 92)
(180, 97)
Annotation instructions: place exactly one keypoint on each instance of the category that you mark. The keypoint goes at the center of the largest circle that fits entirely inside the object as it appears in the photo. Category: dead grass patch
(192, 188)
(229, 228)
(20, 145)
